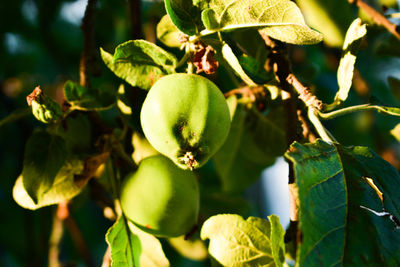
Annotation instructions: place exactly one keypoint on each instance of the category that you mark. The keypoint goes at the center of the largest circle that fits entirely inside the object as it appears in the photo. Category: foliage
(291, 92)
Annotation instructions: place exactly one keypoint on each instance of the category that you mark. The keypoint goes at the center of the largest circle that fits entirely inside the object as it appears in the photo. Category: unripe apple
(161, 198)
(186, 118)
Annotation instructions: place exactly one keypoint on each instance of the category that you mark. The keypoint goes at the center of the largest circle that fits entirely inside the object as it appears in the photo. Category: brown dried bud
(204, 58)
(34, 96)
(183, 38)
(43, 107)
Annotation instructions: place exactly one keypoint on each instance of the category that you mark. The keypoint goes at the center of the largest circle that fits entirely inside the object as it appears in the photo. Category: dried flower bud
(204, 58)
(44, 108)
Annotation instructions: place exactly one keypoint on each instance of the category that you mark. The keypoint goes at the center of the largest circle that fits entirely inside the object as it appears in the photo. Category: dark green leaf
(280, 19)
(185, 15)
(44, 155)
(251, 43)
(255, 70)
(335, 197)
(76, 131)
(394, 84)
(83, 98)
(63, 188)
(238, 242)
(140, 63)
(122, 243)
(253, 143)
(214, 203)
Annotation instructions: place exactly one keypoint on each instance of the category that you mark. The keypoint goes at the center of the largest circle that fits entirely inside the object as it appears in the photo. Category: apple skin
(161, 198)
(186, 118)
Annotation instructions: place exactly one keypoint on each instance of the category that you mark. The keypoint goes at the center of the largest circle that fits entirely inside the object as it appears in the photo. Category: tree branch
(378, 17)
(57, 233)
(136, 19)
(296, 124)
(76, 234)
(88, 56)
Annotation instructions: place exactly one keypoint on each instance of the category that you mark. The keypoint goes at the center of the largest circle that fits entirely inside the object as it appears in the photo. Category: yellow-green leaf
(280, 19)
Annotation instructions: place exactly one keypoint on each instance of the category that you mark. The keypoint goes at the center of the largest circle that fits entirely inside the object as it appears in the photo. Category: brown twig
(296, 124)
(246, 91)
(57, 233)
(76, 234)
(378, 17)
(88, 56)
(309, 99)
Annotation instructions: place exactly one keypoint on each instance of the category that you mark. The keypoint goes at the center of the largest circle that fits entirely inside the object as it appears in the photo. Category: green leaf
(354, 35)
(141, 148)
(395, 132)
(253, 143)
(335, 195)
(185, 15)
(193, 249)
(232, 60)
(323, 16)
(394, 84)
(209, 19)
(148, 249)
(83, 98)
(238, 242)
(76, 132)
(280, 19)
(214, 203)
(123, 244)
(44, 156)
(44, 108)
(255, 70)
(63, 188)
(140, 63)
(251, 43)
(168, 33)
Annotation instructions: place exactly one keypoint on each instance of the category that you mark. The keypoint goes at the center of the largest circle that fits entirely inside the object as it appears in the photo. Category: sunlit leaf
(168, 33)
(238, 242)
(354, 35)
(193, 249)
(63, 188)
(396, 132)
(323, 16)
(148, 249)
(233, 61)
(280, 19)
(141, 147)
(140, 63)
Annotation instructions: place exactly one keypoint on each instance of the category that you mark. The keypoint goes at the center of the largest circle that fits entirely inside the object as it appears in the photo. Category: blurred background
(41, 42)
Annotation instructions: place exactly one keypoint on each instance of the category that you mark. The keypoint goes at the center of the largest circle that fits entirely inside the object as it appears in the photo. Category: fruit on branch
(161, 198)
(186, 118)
